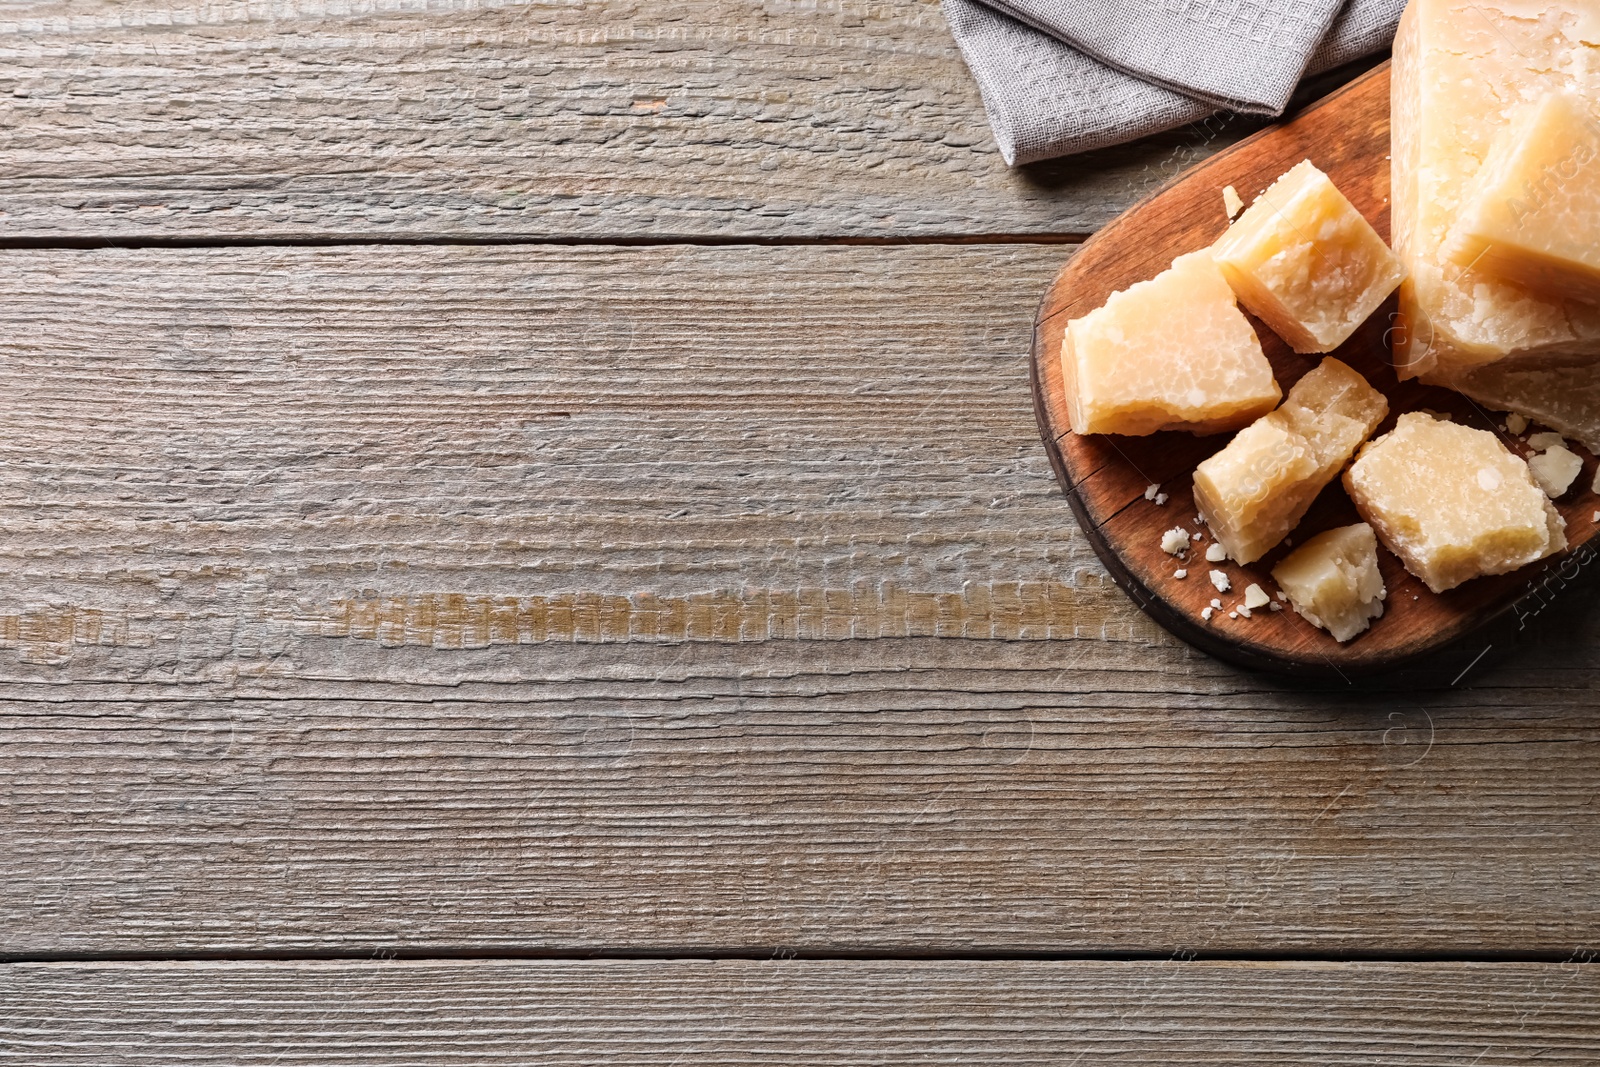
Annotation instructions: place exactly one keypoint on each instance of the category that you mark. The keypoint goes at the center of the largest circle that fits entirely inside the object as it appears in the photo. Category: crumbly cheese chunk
(1333, 580)
(1175, 541)
(1306, 262)
(1171, 353)
(1231, 202)
(1541, 441)
(1532, 213)
(1452, 502)
(1555, 469)
(1257, 489)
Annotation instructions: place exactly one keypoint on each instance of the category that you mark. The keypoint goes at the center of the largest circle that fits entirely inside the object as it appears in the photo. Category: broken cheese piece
(1256, 490)
(1452, 502)
(1463, 69)
(1333, 580)
(1171, 353)
(1532, 216)
(1306, 262)
(1555, 469)
(1231, 203)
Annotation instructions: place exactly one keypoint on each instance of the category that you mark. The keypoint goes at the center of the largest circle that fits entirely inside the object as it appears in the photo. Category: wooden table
(526, 540)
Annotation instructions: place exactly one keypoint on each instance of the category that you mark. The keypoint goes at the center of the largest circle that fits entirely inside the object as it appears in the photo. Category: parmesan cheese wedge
(1463, 71)
(1532, 214)
(1452, 502)
(1171, 353)
(1305, 261)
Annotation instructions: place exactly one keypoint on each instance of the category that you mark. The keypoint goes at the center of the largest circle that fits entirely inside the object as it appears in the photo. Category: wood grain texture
(1106, 476)
(830, 797)
(248, 467)
(742, 1013)
(158, 119)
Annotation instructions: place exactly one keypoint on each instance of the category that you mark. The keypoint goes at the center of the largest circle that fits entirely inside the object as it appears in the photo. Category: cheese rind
(1532, 214)
(1255, 491)
(1306, 262)
(1333, 580)
(1452, 502)
(1462, 69)
(1171, 353)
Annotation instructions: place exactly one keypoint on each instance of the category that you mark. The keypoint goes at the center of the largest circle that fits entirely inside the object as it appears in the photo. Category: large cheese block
(1452, 502)
(1171, 353)
(1463, 71)
(1256, 490)
(1532, 214)
(1306, 262)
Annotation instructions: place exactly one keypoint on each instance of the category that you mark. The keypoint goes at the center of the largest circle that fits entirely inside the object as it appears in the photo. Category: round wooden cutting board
(1106, 477)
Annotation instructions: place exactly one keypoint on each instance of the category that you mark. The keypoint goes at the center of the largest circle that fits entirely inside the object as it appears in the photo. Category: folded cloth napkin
(1064, 76)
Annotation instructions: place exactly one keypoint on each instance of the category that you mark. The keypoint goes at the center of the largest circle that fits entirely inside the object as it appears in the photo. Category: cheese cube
(1452, 502)
(1307, 264)
(1463, 69)
(1171, 353)
(1532, 215)
(1333, 580)
(1256, 490)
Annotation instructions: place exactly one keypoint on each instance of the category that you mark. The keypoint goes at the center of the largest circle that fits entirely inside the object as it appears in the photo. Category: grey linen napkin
(1064, 76)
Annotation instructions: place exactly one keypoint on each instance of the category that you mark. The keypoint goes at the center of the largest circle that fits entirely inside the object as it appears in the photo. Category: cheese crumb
(1275, 606)
(1175, 540)
(1207, 613)
(1282, 596)
(1517, 424)
(1200, 536)
(1231, 203)
(1180, 574)
(1161, 500)
(1256, 597)
(1233, 614)
(1215, 602)
(1216, 554)
(1151, 490)
(1220, 580)
(1555, 470)
(1539, 442)
(1243, 611)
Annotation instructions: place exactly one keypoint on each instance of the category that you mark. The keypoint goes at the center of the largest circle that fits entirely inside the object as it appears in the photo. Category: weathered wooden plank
(836, 806)
(521, 118)
(255, 465)
(742, 1012)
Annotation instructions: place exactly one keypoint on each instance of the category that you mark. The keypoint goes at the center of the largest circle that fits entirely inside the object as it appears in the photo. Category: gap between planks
(784, 954)
(491, 241)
